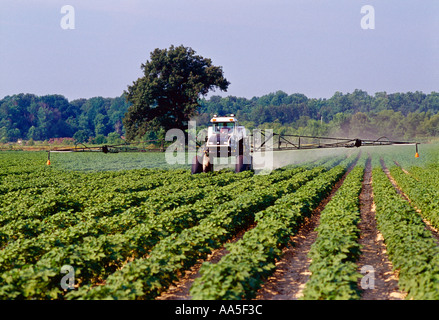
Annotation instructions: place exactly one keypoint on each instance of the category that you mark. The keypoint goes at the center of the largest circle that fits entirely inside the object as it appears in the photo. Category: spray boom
(297, 142)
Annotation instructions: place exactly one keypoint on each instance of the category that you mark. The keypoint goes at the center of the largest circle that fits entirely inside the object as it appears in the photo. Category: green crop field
(129, 225)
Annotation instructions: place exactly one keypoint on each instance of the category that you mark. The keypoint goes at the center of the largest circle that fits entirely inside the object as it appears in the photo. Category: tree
(101, 124)
(114, 138)
(360, 126)
(167, 96)
(99, 139)
(81, 135)
(340, 124)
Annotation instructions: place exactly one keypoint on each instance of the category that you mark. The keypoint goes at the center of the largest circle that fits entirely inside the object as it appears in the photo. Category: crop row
(239, 274)
(65, 227)
(92, 248)
(146, 278)
(251, 259)
(335, 252)
(422, 192)
(84, 191)
(99, 252)
(410, 246)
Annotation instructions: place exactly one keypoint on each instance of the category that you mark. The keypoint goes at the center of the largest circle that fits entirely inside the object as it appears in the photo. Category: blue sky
(298, 46)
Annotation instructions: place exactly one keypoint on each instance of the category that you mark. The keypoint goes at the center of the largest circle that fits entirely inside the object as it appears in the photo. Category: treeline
(357, 114)
(31, 117)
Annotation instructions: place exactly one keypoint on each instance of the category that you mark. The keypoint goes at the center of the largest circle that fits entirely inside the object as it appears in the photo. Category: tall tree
(167, 96)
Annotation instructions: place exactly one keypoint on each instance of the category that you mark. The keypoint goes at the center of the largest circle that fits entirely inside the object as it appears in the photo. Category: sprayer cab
(225, 138)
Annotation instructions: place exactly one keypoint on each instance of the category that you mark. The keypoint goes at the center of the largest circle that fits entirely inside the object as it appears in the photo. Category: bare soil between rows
(374, 255)
(291, 274)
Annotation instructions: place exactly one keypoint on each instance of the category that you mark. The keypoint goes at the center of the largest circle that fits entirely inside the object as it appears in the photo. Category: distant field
(98, 161)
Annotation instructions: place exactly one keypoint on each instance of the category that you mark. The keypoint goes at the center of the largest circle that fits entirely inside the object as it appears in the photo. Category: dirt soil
(288, 281)
(374, 250)
(291, 275)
